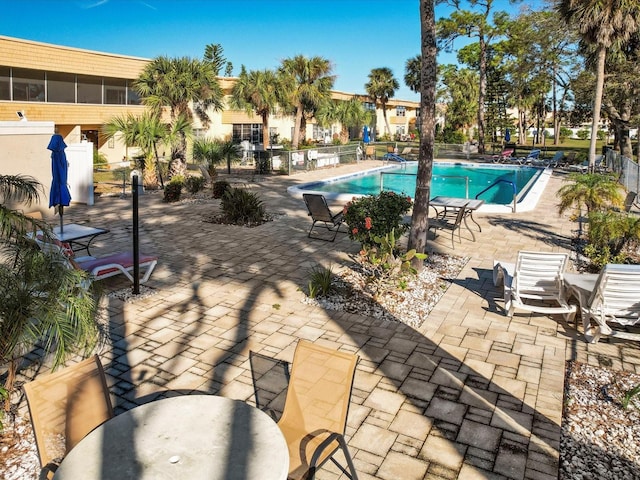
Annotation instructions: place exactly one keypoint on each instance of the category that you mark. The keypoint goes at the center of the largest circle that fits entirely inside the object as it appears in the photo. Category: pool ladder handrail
(466, 179)
(502, 180)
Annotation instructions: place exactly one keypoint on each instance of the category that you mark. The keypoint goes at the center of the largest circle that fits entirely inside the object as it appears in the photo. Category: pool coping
(528, 202)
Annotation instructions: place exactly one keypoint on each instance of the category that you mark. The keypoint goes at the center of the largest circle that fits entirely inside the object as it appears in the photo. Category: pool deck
(471, 394)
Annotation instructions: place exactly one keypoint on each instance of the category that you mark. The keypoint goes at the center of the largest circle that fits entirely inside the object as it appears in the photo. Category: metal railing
(502, 180)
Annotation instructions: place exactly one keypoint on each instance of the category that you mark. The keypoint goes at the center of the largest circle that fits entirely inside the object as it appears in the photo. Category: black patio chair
(319, 212)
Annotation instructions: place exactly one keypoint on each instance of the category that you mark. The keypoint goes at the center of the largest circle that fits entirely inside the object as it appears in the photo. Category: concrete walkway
(470, 395)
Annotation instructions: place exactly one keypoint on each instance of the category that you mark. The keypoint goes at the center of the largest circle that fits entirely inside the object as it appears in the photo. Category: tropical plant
(595, 191)
(259, 92)
(630, 396)
(173, 189)
(320, 281)
(194, 184)
(99, 159)
(413, 73)
(610, 236)
(604, 24)
(382, 86)
(376, 216)
(384, 265)
(307, 82)
(349, 113)
(241, 207)
(44, 302)
(209, 153)
(220, 187)
(178, 84)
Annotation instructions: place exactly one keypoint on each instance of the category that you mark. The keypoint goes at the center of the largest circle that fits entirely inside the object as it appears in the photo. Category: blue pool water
(449, 179)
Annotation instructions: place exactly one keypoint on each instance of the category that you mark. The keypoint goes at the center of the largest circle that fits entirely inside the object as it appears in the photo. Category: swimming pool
(453, 179)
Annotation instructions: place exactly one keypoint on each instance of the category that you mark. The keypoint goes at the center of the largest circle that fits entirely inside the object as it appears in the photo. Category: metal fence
(628, 170)
(290, 162)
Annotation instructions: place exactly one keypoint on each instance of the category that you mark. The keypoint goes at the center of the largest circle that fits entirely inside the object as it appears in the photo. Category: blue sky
(355, 35)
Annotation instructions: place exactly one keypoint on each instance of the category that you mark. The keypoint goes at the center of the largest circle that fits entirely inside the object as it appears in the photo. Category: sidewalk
(469, 395)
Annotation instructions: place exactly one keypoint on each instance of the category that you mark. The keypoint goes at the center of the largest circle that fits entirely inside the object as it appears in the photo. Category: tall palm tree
(603, 24)
(176, 84)
(43, 301)
(412, 73)
(382, 86)
(259, 92)
(419, 218)
(309, 82)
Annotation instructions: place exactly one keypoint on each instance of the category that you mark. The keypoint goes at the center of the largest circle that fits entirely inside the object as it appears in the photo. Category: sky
(354, 35)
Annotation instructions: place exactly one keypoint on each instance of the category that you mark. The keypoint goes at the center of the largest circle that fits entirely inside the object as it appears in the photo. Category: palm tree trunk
(265, 131)
(482, 93)
(386, 120)
(296, 130)
(597, 103)
(419, 218)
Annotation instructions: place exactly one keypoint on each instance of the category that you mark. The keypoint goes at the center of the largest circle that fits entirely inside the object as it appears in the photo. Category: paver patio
(471, 394)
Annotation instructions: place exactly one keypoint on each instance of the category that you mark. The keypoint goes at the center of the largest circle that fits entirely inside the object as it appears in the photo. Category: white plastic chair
(611, 296)
(534, 283)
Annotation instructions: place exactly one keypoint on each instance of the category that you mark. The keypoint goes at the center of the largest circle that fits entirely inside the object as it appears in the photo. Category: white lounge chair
(534, 283)
(102, 267)
(611, 296)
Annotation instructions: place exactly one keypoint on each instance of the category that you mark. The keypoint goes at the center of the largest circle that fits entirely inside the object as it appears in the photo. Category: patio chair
(553, 162)
(319, 212)
(533, 155)
(534, 283)
(65, 406)
(270, 378)
(315, 412)
(448, 222)
(612, 296)
(370, 152)
(504, 156)
(101, 267)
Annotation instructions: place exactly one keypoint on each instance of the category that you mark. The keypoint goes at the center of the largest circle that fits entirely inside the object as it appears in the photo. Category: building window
(28, 85)
(61, 87)
(5, 83)
(251, 132)
(401, 111)
(132, 96)
(370, 106)
(115, 91)
(89, 89)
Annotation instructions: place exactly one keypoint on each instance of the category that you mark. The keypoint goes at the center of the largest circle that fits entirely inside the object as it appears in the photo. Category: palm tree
(412, 73)
(381, 86)
(44, 302)
(349, 113)
(259, 92)
(603, 24)
(309, 82)
(419, 218)
(593, 190)
(177, 83)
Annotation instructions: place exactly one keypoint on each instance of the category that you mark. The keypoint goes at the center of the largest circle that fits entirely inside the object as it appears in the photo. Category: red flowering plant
(376, 216)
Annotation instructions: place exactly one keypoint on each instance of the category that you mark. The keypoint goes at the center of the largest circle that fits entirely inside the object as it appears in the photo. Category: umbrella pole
(61, 212)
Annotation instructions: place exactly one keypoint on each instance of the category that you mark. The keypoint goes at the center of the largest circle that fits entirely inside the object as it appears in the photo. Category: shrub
(583, 134)
(565, 133)
(242, 207)
(219, 188)
(376, 215)
(99, 159)
(610, 235)
(194, 184)
(320, 281)
(173, 189)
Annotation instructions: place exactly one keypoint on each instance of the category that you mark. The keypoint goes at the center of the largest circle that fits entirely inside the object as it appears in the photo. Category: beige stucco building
(81, 90)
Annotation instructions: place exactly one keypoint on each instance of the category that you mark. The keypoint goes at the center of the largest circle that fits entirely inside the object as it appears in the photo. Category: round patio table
(191, 436)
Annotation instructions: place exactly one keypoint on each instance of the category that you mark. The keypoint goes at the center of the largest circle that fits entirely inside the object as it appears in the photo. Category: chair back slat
(617, 292)
(67, 405)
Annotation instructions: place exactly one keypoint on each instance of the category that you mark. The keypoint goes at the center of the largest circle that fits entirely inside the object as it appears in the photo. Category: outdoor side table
(192, 436)
(456, 203)
(78, 236)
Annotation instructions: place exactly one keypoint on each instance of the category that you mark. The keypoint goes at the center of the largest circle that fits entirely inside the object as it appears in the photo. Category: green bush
(242, 207)
(173, 189)
(583, 134)
(194, 184)
(565, 133)
(610, 236)
(99, 159)
(320, 281)
(376, 215)
(219, 188)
